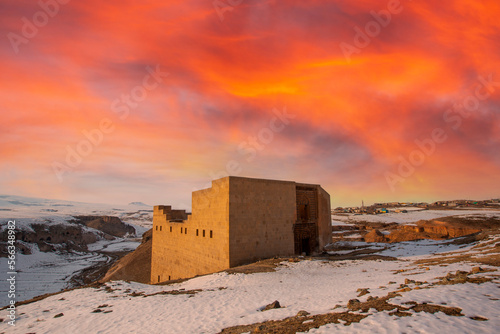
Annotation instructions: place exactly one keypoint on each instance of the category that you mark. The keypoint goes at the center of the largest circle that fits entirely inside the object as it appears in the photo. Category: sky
(122, 101)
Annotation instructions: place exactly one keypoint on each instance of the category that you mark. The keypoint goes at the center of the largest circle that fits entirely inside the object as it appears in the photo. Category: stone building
(237, 221)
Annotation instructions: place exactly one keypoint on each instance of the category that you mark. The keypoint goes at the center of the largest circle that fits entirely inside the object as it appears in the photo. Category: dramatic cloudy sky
(353, 107)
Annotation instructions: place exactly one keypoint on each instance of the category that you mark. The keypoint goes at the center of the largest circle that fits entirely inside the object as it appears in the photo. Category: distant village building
(237, 221)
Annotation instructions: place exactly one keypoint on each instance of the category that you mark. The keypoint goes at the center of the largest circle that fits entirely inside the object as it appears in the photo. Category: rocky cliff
(435, 230)
(52, 237)
(107, 224)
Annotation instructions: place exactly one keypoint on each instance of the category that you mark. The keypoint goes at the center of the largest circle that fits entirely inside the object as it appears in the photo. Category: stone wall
(313, 219)
(307, 203)
(324, 218)
(262, 214)
(198, 245)
(236, 221)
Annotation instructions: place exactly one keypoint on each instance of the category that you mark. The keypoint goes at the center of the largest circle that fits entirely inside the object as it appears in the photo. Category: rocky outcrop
(107, 224)
(135, 266)
(375, 236)
(446, 229)
(435, 230)
(50, 238)
(273, 305)
(67, 237)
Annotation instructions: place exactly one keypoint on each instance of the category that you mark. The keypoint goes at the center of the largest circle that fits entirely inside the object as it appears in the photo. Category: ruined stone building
(237, 221)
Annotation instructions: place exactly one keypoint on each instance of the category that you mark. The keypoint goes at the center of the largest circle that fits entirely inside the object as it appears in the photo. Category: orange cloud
(351, 121)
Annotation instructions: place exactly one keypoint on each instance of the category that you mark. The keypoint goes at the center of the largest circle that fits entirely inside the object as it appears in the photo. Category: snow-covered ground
(410, 216)
(59, 211)
(473, 299)
(40, 273)
(316, 286)
(47, 272)
(222, 300)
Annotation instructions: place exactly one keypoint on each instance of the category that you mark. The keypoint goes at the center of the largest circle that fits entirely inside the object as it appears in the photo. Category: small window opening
(158, 278)
(181, 230)
(186, 230)
(197, 232)
(211, 234)
(203, 233)
(157, 227)
(160, 228)
(170, 228)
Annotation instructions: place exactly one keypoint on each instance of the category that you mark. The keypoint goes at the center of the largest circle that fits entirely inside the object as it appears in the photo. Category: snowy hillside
(429, 294)
(439, 284)
(410, 217)
(47, 272)
(134, 213)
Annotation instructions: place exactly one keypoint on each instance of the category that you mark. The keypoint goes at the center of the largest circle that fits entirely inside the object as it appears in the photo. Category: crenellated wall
(237, 221)
(196, 246)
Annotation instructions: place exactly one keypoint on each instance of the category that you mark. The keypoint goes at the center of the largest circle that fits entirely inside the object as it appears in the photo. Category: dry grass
(303, 323)
(296, 324)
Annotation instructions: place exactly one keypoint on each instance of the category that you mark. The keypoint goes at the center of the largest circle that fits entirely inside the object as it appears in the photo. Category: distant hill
(138, 204)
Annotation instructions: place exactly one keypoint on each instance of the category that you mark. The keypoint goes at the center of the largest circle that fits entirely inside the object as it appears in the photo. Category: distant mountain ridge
(138, 204)
(14, 200)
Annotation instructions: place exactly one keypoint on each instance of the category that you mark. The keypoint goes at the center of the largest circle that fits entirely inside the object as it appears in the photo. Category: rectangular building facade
(238, 221)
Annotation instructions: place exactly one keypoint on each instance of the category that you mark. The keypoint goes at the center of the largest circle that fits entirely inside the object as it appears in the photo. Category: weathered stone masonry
(237, 221)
